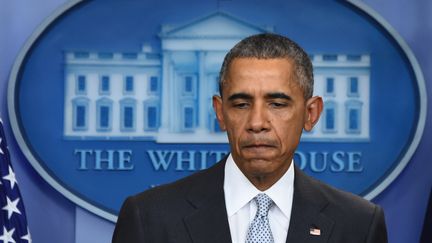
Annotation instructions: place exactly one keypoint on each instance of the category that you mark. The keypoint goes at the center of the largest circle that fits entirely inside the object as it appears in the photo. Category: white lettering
(164, 158)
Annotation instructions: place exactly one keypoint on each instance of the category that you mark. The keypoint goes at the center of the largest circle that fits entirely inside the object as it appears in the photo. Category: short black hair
(270, 46)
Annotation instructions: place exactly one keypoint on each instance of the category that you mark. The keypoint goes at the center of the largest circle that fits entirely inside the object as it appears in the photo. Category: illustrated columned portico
(165, 94)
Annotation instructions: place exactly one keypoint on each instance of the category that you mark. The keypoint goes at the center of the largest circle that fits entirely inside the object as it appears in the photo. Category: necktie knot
(264, 204)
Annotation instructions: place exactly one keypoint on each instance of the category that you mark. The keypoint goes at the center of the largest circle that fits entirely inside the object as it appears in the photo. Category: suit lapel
(308, 223)
(209, 221)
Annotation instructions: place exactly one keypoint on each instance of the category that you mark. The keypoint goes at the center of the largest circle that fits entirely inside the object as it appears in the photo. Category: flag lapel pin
(314, 231)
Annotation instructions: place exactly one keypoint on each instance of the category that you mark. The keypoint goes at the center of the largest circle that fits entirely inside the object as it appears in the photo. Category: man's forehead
(254, 68)
(257, 81)
(252, 92)
(252, 75)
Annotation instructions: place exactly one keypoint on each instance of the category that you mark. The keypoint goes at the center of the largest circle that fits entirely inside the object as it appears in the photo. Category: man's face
(263, 111)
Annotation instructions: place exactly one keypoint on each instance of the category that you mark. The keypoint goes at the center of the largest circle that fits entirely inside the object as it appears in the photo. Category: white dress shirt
(241, 209)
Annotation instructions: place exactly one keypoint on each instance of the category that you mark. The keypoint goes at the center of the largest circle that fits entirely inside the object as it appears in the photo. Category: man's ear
(314, 107)
(217, 106)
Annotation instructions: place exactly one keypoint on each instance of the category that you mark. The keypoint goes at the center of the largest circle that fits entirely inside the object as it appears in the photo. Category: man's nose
(258, 120)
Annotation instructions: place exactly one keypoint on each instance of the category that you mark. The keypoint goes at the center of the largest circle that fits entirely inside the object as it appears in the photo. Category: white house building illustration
(166, 96)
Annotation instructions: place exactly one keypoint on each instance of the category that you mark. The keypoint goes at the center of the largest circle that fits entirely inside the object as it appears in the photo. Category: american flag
(314, 231)
(13, 222)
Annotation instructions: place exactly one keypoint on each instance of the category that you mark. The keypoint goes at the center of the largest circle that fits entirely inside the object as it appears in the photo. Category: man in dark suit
(256, 194)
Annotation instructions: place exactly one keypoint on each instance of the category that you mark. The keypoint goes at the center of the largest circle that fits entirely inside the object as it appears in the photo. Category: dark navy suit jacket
(193, 210)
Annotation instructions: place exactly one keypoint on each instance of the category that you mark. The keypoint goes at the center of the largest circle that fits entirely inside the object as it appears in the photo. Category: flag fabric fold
(13, 221)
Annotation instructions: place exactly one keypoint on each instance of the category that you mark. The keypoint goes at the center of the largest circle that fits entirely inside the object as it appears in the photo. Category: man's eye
(277, 105)
(242, 105)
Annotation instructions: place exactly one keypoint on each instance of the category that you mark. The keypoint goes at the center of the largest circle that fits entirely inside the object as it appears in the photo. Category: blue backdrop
(52, 218)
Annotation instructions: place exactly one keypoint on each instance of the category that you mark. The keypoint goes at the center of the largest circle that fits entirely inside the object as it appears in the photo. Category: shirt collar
(244, 191)
(283, 190)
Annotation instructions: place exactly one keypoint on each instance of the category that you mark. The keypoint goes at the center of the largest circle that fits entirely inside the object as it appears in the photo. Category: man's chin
(261, 153)
(260, 165)
(259, 172)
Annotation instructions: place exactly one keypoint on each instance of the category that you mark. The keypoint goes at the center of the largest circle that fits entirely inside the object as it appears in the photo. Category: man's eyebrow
(243, 96)
(278, 95)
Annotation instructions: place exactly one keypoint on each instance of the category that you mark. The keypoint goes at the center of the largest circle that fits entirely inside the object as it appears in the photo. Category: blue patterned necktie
(259, 230)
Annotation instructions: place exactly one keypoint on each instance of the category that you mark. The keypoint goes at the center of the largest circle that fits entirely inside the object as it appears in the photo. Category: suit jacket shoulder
(340, 216)
(184, 211)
